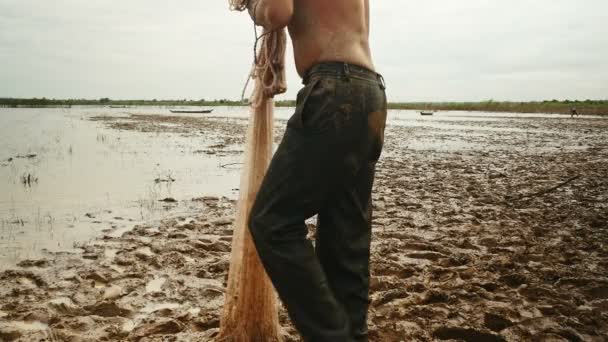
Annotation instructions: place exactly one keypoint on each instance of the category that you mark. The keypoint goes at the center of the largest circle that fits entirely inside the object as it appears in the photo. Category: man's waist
(340, 69)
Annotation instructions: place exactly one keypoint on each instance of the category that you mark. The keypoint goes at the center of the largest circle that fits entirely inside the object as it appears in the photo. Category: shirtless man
(324, 165)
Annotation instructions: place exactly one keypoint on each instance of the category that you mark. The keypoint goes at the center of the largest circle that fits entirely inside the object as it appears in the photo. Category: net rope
(269, 62)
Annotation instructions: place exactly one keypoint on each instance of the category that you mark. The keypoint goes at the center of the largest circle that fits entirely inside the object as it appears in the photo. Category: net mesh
(250, 312)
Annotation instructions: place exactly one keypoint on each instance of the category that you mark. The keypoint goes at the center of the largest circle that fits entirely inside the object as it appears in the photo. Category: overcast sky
(434, 50)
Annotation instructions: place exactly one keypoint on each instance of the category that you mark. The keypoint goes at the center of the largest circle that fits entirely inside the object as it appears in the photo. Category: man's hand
(271, 14)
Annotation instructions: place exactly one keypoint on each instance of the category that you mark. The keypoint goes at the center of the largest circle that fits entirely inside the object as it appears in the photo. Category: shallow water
(85, 178)
(65, 178)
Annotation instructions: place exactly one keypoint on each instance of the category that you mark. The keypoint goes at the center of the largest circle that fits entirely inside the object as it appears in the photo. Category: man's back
(329, 31)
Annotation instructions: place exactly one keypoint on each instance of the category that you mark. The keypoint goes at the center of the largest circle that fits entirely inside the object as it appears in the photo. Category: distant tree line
(590, 107)
(105, 101)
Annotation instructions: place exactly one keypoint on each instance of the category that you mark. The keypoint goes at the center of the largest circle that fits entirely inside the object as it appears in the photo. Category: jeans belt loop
(381, 82)
(347, 71)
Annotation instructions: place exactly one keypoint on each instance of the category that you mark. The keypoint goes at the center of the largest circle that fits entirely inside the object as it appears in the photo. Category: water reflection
(64, 178)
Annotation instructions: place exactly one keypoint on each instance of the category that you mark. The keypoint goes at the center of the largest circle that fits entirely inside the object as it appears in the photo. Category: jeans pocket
(295, 120)
(316, 106)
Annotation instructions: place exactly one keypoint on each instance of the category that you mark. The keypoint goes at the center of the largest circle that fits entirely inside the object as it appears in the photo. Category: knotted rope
(269, 63)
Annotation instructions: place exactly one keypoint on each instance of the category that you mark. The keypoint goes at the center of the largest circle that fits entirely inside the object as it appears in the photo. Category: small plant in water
(27, 179)
(38, 220)
(49, 220)
(102, 138)
(167, 179)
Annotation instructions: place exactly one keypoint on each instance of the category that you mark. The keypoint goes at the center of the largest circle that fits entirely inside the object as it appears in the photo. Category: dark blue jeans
(324, 165)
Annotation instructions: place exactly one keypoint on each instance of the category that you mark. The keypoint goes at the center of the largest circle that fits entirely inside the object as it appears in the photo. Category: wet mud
(493, 231)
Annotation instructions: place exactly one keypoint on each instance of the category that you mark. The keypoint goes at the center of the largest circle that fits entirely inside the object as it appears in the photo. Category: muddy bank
(495, 231)
(164, 279)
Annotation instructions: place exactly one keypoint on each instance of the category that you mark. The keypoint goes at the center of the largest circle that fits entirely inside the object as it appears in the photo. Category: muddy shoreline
(479, 239)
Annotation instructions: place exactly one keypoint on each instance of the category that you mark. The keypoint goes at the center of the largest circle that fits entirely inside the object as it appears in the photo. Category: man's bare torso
(330, 31)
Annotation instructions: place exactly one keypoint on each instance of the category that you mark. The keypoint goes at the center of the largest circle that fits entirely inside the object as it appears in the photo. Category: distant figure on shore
(573, 112)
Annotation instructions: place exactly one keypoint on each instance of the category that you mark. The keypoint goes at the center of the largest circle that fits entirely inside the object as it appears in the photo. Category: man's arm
(271, 14)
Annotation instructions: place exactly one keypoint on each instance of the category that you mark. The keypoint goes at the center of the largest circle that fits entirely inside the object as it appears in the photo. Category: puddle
(117, 268)
(99, 284)
(189, 259)
(27, 326)
(110, 253)
(145, 251)
(202, 283)
(61, 300)
(128, 326)
(27, 282)
(155, 285)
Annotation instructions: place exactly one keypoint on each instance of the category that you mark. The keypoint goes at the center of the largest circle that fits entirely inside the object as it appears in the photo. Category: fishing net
(269, 63)
(250, 311)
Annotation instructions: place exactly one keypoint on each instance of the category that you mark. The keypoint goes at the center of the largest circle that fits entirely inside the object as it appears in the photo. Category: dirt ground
(499, 234)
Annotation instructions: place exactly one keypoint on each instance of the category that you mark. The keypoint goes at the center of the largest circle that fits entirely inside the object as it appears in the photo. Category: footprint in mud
(65, 306)
(536, 293)
(597, 292)
(109, 309)
(489, 287)
(432, 256)
(41, 263)
(99, 278)
(155, 285)
(466, 334)
(389, 296)
(173, 259)
(435, 297)
(24, 278)
(391, 268)
(17, 330)
(513, 280)
(163, 326)
(496, 322)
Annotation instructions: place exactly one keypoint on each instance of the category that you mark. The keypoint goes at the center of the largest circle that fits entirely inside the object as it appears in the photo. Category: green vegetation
(588, 107)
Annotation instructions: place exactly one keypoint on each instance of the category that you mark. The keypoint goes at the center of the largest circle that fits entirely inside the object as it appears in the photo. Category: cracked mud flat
(472, 242)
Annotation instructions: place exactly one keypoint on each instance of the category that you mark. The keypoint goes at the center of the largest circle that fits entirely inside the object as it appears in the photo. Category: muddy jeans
(324, 165)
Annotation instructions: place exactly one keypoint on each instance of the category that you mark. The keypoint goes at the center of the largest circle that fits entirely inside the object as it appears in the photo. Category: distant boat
(118, 106)
(426, 113)
(206, 111)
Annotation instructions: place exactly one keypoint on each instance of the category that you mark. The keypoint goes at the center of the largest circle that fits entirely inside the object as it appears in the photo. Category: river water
(85, 179)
